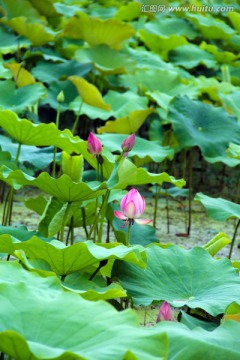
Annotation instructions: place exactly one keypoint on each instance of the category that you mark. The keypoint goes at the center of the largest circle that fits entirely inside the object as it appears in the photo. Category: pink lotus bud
(94, 145)
(128, 144)
(132, 206)
(165, 313)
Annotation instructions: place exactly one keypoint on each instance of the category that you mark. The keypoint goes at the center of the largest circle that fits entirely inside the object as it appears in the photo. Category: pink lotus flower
(165, 313)
(128, 144)
(94, 145)
(132, 206)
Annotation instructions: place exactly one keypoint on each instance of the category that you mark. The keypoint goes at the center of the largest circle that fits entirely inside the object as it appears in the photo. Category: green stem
(64, 221)
(156, 204)
(128, 234)
(103, 216)
(190, 173)
(84, 222)
(77, 118)
(72, 230)
(233, 239)
(55, 148)
(99, 213)
(167, 211)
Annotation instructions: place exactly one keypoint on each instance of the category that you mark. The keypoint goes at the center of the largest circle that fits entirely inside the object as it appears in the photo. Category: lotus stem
(167, 211)
(84, 222)
(190, 173)
(77, 118)
(128, 234)
(98, 214)
(156, 204)
(233, 239)
(55, 148)
(64, 221)
(105, 200)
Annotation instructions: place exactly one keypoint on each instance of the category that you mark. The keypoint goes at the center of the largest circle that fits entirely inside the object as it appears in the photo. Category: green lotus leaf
(37, 33)
(210, 27)
(221, 343)
(198, 124)
(224, 57)
(63, 188)
(48, 72)
(25, 132)
(171, 26)
(69, 91)
(4, 72)
(92, 290)
(39, 158)
(88, 325)
(6, 159)
(128, 12)
(190, 56)
(37, 204)
(20, 99)
(25, 8)
(65, 260)
(106, 60)
(179, 276)
(126, 173)
(217, 243)
(21, 233)
(162, 44)
(22, 77)
(121, 105)
(235, 19)
(46, 8)
(223, 159)
(151, 80)
(9, 43)
(142, 152)
(192, 322)
(127, 124)
(217, 208)
(146, 59)
(212, 87)
(95, 31)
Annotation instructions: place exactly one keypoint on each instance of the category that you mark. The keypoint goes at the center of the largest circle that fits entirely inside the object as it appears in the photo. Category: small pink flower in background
(94, 145)
(132, 206)
(128, 144)
(165, 313)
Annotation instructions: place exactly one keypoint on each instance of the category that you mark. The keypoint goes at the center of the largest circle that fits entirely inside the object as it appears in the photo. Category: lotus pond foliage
(107, 108)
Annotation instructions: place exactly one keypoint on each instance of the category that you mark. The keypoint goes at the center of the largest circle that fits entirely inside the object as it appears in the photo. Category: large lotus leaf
(148, 60)
(151, 80)
(36, 328)
(9, 42)
(92, 290)
(25, 132)
(20, 99)
(192, 322)
(65, 260)
(69, 91)
(212, 87)
(143, 151)
(63, 188)
(121, 105)
(23, 8)
(21, 233)
(219, 209)
(181, 277)
(6, 159)
(21, 76)
(162, 44)
(126, 173)
(170, 26)
(46, 8)
(210, 27)
(48, 72)
(89, 93)
(40, 158)
(224, 57)
(223, 159)
(235, 19)
(129, 11)
(190, 56)
(199, 124)
(95, 31)
(184, 343)
(37, 33)
(127, 124)
(106, 60)
(234, 151)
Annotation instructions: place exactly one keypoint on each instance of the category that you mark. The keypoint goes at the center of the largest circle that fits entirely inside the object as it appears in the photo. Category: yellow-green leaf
(89, 93)
(21, 76)
(96, 31)
(128, 124)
